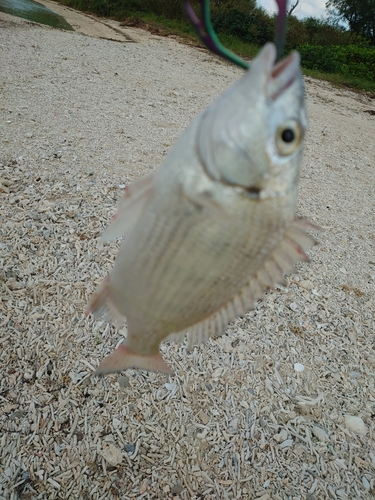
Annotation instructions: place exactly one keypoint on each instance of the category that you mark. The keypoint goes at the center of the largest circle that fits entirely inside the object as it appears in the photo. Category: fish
(215, 226)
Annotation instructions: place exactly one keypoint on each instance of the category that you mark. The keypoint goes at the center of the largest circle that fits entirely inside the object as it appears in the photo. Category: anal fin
(123, 358)
(280, 261)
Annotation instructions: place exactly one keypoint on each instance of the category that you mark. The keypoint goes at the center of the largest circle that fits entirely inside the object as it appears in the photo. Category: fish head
(252, 137)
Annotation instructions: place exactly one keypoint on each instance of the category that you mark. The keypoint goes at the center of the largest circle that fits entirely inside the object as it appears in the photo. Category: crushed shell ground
(283, 405)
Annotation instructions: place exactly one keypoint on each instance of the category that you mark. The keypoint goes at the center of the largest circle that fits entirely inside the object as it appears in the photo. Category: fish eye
(288, 137)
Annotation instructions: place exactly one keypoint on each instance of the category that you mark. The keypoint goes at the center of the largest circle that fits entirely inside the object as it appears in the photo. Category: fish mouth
(283, 74)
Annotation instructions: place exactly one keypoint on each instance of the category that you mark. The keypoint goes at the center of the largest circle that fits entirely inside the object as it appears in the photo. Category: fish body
(215, 225)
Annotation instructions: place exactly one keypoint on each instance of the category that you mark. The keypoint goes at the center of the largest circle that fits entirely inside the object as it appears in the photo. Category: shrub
(255, 27)
(347, 60)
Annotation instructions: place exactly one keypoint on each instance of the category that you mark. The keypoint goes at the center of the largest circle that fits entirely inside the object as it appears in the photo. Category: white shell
(355, 424)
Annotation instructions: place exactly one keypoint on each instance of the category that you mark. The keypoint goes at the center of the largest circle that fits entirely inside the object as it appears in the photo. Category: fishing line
(207, 34)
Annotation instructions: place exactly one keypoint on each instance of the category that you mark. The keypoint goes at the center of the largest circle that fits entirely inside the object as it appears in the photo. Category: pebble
(111, 454)
(286, 444)
(366, 483)
(129, 448)
(293, 306)
(204, 418)
(16, 414)
(299, 367)
(282, 436)
(175, 490)
(28, 375)
(356, 425)
(306, 284)
(123, 380)
(76, 377)
(320, 434)
(116, 422)
(264, 497)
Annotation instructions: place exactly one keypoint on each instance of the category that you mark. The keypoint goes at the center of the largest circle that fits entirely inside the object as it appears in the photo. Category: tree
(290, 11)
(359, 15)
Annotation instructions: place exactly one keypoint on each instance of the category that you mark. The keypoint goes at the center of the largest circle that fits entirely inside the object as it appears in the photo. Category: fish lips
(284, 74)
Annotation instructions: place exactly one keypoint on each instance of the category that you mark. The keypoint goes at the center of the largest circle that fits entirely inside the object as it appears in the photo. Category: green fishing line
(226, 53)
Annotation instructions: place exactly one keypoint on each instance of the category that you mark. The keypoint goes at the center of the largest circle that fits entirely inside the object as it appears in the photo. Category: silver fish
(215, 226)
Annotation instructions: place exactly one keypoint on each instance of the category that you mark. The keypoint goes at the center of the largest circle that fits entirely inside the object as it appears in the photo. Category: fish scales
(215, 226)
(204, 286)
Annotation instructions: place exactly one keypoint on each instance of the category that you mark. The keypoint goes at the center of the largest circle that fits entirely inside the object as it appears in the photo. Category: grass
(343, 81)
(184, 30)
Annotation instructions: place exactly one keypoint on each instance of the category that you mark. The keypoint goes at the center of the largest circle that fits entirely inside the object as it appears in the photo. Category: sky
(306, 8)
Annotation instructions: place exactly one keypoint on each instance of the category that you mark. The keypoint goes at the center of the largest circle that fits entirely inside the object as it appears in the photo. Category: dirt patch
(88, 24)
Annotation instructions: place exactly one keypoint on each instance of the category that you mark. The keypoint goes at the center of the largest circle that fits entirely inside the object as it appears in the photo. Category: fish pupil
(287, 135)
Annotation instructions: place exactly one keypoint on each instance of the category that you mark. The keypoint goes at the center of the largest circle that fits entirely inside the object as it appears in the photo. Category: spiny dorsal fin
(130, 208)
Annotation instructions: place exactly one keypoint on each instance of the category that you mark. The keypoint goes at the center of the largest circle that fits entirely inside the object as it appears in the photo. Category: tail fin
(122, 358)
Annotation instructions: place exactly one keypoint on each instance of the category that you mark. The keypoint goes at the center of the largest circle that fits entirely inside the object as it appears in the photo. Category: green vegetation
(343, 57)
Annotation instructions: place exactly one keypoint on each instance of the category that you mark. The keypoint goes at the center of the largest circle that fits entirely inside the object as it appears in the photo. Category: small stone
(282, 436)
(286, 444)
(204, 418)
(264, 497)
(116, 422)
(121, 186)
(262, 422)
(234, 424)
(76, 376)
(299, 449)
(129, 448)
(175, 490)
(123, 381)
(28, 375)
(306, 284)
(320, 434)
(355, 424)
(29, 135)
(111, 454)
(169, 386)
(366, 483)
(8, 472)
(299, 367)
(16, 414)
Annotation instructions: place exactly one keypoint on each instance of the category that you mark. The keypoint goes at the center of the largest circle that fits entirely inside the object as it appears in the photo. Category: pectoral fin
(130, 208)
(122, 358)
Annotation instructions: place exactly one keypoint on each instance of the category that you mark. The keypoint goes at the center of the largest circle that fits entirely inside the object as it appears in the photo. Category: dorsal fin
(130, 208)
(292, 248)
